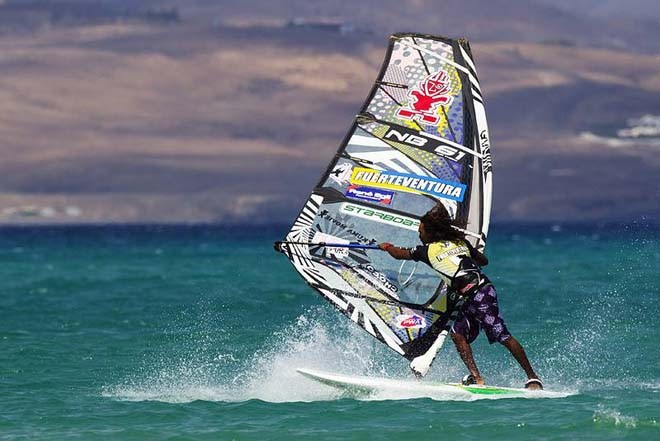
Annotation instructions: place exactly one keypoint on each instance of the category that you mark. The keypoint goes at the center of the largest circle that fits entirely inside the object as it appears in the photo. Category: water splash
(606, 416)
(186, 368)
(317, 339)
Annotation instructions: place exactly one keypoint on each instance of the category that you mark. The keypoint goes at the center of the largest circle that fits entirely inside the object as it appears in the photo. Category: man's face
(422, 233)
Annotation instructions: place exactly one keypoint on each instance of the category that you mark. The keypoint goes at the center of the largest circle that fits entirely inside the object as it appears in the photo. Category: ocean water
(194, 333)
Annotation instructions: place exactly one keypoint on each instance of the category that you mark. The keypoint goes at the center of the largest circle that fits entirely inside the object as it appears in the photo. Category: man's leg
(518, 353)
(465, 351)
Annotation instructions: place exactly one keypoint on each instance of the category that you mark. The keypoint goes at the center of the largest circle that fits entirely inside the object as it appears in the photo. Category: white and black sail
(420, 139)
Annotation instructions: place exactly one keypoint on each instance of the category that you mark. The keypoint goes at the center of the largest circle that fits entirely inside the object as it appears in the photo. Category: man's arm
(478, 256)
(396, 252)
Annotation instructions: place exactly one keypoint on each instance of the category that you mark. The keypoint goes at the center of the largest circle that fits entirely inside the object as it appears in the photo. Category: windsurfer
(446, 250)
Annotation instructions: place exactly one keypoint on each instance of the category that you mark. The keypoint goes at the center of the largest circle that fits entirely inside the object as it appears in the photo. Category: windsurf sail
(420, 139)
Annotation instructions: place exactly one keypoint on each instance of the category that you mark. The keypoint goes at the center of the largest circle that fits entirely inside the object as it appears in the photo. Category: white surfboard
(386, 388)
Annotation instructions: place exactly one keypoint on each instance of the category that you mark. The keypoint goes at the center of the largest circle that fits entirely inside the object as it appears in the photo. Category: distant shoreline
(509, 226)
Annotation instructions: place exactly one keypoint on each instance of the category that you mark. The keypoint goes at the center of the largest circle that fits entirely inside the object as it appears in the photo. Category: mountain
(481, 20)
(646, 10)
(233, 120)
(574, 23)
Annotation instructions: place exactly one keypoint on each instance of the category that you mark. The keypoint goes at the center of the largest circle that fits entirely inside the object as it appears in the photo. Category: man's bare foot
(534, 384)
(471, 379)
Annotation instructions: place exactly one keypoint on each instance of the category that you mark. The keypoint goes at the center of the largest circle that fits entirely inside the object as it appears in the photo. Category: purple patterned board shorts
(482, 312)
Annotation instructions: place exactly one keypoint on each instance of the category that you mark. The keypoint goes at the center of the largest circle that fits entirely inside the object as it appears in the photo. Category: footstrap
(534, 380)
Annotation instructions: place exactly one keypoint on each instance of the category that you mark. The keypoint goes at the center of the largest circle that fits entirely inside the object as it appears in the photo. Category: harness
(461, 273)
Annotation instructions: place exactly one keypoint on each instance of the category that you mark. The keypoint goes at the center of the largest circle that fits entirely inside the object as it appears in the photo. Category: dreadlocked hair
(439, 226)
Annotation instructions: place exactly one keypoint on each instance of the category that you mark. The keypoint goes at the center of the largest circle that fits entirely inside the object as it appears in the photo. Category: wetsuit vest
(453, 261)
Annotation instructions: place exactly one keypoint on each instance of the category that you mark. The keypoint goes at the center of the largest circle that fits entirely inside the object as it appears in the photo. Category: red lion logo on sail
(424, 99)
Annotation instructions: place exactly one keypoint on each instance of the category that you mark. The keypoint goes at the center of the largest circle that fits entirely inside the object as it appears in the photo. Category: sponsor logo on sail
(427, 144)
(408, 138)
(379, 216)
(485, 151)
(408, 183)
(337, 252)
(348, 229)
(341, 173)
(413, 321)
(425, 98)
(377, 277)
(368, 194)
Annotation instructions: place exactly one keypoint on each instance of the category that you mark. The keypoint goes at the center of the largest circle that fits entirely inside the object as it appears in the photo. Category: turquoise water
(194, 333)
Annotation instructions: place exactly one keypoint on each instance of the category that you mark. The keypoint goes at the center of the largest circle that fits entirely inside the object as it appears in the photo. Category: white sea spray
(608, 416)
